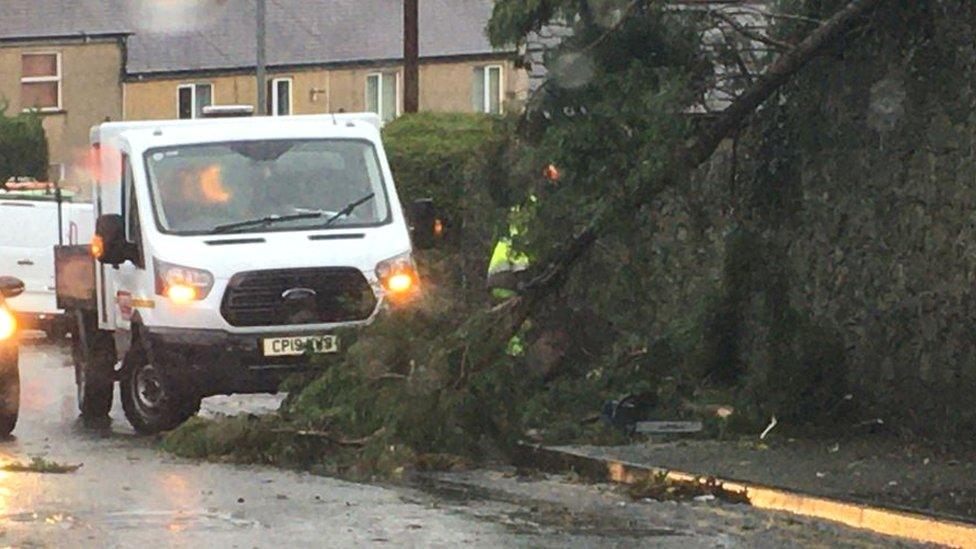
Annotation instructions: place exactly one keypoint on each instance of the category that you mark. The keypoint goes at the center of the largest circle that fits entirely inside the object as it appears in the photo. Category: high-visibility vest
(505, 258)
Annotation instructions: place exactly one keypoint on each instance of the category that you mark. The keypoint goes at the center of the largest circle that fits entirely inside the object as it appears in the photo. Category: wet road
(129, 494)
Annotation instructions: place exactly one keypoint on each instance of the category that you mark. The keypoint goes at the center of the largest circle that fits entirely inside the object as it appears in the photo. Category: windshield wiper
(345, 212)
(272, 219)
(267, 220)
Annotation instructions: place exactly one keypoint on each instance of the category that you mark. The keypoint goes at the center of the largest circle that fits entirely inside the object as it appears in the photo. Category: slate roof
(199, 35)
(27, 19)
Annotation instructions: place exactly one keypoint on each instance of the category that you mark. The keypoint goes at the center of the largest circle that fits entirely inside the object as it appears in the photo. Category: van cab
(230, 254)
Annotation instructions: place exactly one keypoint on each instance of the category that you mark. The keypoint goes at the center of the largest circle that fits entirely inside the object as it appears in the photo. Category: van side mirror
(109, 245)
(10, 286)
(426, 227)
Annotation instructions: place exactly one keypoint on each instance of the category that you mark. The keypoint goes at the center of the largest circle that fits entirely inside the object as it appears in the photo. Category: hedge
(23, 146)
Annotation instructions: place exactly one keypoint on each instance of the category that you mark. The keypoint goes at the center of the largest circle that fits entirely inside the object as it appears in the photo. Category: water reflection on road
(128, 494)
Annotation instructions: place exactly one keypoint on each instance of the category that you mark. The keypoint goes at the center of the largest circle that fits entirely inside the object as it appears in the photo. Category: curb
(906, 525)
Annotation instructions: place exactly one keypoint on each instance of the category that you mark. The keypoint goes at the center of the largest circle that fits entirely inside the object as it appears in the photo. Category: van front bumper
(214, 362)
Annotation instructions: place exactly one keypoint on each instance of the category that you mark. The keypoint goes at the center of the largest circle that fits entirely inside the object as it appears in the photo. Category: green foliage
(459, 161)
(23, 146)
(431, 154)
(512, 20)
(39, 464)
(828, 276)
(245, 438)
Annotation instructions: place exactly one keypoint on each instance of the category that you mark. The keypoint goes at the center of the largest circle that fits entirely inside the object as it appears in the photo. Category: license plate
(297, 346)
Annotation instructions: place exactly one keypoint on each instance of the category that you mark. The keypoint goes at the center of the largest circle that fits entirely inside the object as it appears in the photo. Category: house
(323, 56)
(80, 62)
(64, 59)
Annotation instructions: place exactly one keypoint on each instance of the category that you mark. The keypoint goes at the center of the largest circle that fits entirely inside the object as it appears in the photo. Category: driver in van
(189, 194)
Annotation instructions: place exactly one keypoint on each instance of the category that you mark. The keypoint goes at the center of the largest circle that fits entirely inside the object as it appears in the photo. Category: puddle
(534, 516)
(36, 517)
(176, 521)
(173, 521)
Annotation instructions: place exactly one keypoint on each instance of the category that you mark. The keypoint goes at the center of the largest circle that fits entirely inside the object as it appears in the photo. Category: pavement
(871, 469)
(127, 494)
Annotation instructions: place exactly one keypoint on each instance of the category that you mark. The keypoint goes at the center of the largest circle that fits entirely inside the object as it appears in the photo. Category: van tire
(93, 352)
(9, 389)
(56, 332)
(153, 402)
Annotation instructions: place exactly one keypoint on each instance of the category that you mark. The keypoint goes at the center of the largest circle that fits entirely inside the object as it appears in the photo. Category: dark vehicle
(9, 373)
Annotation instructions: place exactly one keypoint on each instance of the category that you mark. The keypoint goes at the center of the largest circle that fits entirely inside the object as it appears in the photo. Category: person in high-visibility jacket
(509, 267)
(508, 264)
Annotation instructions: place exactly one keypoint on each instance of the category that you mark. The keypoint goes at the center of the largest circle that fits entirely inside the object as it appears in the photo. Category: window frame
(276, 98)
(130, 211)
(57, 78)
(193, 98)
(486, 99)
(379, 91)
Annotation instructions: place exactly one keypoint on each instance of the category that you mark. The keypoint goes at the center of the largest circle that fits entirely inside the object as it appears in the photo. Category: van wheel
(93, 352)
(152, 401)
(9, 389)
(56, 332)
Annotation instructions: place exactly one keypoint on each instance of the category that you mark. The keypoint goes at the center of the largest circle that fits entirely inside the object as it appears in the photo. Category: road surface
(129, 494)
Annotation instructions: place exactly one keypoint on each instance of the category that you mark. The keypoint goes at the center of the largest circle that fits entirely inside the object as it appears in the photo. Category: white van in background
(28, 234)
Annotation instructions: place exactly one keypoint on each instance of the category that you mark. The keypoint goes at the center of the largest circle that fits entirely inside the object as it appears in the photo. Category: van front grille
(298, 297)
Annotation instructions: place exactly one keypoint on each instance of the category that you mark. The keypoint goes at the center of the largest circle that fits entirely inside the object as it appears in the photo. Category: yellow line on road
(911, 526)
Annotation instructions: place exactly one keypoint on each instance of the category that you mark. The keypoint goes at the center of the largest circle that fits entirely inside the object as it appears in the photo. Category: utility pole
(411, 56)
(262, 79)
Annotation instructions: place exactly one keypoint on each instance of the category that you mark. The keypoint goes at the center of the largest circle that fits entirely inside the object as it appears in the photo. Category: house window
(40, 81)
(192, 98)
(279, 97)
(382, 95)
(486, 93)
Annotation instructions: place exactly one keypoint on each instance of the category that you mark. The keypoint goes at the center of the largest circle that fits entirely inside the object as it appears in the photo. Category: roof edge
(81, 36)
(359, 63)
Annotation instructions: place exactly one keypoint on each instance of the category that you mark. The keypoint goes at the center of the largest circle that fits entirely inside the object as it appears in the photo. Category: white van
(28, 234)
(231, 252)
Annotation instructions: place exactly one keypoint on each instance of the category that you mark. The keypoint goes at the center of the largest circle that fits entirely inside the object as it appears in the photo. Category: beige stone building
(72, 83)
(445, 86)
(83, 62)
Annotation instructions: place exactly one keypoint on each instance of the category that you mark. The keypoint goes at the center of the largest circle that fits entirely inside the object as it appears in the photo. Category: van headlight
(182, 284)
(398, 276)
(8, 324)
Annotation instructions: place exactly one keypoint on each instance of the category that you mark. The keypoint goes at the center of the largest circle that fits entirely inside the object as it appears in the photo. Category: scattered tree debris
(663, 488)
(40, 465)
(768, 429)
(668, 427)
(442, 462)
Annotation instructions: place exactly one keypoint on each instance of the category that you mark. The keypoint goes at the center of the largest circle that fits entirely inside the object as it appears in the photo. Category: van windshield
(198, 188)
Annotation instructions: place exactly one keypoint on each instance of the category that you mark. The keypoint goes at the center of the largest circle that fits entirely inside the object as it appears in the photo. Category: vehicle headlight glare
(8, 324)
(398, 276)
(182, 284)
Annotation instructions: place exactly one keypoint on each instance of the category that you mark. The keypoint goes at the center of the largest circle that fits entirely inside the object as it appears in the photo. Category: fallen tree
(441, 378)
(505, 321)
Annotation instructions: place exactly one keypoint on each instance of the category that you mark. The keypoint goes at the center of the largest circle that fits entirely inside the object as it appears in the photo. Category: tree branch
(738, 58)
(748, 10)
(774, 78)
(750, 34)
(689, 157)
(508, 318)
